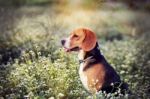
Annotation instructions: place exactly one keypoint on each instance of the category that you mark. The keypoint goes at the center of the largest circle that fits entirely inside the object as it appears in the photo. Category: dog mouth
(71, 49)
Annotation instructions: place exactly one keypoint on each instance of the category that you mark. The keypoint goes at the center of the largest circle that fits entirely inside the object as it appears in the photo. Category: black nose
(62, 42)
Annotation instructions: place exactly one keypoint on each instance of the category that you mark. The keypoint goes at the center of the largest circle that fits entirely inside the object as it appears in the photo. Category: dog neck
(91, 57)
(81, 54)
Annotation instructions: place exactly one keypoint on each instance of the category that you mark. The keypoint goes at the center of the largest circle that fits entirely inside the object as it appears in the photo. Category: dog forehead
(78, 32)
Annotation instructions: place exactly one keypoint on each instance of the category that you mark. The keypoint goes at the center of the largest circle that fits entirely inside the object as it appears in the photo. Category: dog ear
(89, 41)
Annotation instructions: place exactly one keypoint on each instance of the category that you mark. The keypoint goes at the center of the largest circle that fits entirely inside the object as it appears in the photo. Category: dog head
(80, 38)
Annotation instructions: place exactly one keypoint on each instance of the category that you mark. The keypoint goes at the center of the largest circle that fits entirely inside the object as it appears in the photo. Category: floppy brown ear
(90, 40)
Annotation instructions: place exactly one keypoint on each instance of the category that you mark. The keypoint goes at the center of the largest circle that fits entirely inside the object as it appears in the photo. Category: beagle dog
(95, 72)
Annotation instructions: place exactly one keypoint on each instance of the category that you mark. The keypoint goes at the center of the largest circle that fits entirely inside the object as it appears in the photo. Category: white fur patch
(67, 43)
(83, 77)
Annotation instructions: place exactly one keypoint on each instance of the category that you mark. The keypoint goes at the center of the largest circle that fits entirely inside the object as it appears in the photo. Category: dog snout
(63, 42)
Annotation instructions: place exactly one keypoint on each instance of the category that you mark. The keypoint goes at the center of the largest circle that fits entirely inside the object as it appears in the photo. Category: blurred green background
(34, 65)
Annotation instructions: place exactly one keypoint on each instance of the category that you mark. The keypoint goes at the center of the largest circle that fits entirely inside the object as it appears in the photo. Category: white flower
(51, 98)
(60, 95)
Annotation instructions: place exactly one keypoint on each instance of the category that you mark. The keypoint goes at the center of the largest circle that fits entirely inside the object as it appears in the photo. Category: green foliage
(42, 77)
(132, 63)
(25, 2)
(38, 75)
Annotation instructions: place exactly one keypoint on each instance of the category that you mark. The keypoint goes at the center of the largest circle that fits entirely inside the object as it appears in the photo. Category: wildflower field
(33, 64)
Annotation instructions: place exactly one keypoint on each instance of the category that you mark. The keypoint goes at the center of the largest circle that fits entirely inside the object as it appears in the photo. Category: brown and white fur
(95, 72)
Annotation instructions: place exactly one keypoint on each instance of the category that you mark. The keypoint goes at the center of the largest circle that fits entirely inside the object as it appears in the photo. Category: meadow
(33, 64)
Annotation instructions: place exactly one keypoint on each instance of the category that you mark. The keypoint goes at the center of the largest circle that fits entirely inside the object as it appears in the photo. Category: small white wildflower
(39, 53)
(122, 72)
(51, 98)
(112, 84)
(60, 95)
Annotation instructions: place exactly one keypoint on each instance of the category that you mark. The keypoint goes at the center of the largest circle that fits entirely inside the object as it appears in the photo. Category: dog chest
(83, 77)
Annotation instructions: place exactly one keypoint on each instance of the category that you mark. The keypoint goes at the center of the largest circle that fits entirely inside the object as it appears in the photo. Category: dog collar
(84, 60)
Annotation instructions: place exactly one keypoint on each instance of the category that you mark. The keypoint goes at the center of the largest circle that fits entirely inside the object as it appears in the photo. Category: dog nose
(62, 42)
